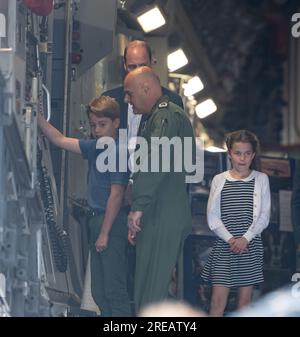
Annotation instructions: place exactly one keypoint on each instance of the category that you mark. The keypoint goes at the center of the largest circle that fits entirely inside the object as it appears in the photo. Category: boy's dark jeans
(109, 268)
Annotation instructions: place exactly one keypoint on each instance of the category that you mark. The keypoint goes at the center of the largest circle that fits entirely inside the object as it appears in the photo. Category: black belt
(94, 212)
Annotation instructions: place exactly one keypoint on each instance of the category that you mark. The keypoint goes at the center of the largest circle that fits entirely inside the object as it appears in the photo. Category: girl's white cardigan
(261, 205)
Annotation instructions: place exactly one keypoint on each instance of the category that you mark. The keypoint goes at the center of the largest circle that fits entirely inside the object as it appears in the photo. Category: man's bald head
(142, 86)
(144, 74)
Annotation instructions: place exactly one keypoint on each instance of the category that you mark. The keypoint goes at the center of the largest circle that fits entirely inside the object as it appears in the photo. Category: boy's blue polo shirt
(99, 183)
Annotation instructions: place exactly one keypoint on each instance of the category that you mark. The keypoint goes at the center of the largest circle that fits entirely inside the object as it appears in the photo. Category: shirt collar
(230, 178)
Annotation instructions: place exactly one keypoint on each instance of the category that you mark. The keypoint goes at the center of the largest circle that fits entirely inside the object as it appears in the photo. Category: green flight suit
(163, 199)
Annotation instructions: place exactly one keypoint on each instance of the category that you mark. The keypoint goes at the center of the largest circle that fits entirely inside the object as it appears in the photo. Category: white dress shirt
(261, 205)
(133, 123)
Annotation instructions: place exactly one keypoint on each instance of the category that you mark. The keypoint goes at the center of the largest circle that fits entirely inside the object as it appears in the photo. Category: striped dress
(224, 267)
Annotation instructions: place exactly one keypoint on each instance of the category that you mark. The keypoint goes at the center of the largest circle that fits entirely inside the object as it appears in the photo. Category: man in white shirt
(136, 54)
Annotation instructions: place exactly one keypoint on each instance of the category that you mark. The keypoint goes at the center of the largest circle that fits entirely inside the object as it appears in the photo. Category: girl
(238, 211)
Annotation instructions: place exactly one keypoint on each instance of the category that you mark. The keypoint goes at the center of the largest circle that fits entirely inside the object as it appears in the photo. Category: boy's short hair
(104, 106)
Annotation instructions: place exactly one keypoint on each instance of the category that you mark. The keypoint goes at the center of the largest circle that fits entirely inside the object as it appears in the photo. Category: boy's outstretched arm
(56, 137)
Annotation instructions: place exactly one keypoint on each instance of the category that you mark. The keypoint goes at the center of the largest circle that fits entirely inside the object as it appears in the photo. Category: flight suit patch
(163, 104)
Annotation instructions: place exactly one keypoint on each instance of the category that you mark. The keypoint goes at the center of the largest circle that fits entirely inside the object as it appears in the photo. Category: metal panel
(97, 30)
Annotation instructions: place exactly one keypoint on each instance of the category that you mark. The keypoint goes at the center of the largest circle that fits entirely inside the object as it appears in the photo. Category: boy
(108, 229)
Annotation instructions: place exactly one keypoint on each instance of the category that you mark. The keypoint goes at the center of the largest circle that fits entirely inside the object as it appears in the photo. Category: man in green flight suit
(160, 216)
